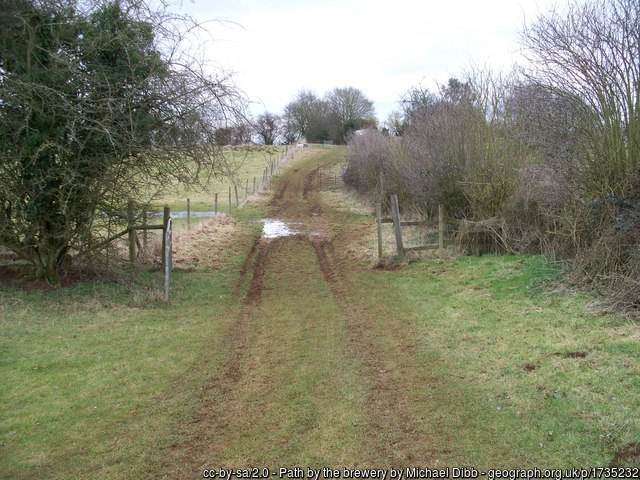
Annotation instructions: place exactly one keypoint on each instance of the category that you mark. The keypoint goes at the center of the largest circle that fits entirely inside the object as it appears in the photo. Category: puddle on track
(272, 228)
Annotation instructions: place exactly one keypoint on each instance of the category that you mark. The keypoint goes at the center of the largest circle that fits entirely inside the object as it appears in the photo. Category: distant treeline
(332, 118)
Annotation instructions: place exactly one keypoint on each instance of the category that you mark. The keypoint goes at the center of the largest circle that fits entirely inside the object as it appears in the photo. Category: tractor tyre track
(244, 270)
(251, 300)
(209, 418)
(308, 183)
(390, 423)
(389, 432)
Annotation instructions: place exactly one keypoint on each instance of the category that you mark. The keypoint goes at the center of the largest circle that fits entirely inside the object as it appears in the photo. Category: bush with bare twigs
(543, 160)
(100, 103)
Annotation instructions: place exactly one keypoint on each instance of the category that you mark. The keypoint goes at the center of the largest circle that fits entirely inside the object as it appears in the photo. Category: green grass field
(527, 375)
(100, 377)
(243, 163)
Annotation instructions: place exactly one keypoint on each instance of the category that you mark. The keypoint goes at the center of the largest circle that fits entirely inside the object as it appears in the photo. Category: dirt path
(312, 377)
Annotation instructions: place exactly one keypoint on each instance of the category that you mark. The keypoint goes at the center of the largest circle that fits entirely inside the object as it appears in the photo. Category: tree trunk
(49, 260)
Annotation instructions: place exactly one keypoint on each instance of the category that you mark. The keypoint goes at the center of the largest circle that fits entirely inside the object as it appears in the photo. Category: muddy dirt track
(308, 378)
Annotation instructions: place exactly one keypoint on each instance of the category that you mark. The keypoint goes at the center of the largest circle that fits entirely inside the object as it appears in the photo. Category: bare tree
(268, 127)
(590, 56)
(369, 158)
(349, 103)
(457, 148)
(414, 100)
(306, 115)
(546, 120)
(241, 133)
(349, 110)
(289, 131)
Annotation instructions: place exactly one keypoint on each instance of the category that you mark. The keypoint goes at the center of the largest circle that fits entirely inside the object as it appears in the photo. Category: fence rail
(239, 191)
(398, 223)
(235, 192)
(133, 241)
(330, 177)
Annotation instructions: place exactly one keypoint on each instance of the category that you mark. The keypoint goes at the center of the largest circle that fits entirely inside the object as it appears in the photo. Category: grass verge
(504, 372)
(99, 378)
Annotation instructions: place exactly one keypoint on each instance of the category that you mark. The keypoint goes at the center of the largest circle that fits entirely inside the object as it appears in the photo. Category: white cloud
(383, 48)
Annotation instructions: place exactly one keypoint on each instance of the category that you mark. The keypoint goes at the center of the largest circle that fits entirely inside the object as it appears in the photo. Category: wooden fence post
(167, 235)
(235, 188)
(229, 198)
(188, 214)
(132, 233)
(246, 189)
(215, 205)
(395, 213)
(144, 232)
(379, 222)
(440, 227)
(165, 220)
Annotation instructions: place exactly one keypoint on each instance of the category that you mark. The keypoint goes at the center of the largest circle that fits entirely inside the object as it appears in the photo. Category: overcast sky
(279, 47)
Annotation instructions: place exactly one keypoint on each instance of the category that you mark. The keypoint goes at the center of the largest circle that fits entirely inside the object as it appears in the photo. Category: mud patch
(281, 191)
(221, 385)
(325, 266)
(245, 265)
(629, 454)
(529, 367)
(257, 280)
(385, 400)
(571, 354)
(393, 431)
(261, 249)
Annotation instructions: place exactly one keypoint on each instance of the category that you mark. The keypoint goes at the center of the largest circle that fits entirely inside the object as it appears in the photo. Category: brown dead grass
(204, 246)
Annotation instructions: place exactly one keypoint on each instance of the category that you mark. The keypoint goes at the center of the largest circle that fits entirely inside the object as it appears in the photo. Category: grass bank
(502, 366)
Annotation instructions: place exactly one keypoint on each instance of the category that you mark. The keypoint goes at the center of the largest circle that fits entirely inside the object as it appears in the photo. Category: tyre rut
(390, 424)
(389, 427)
